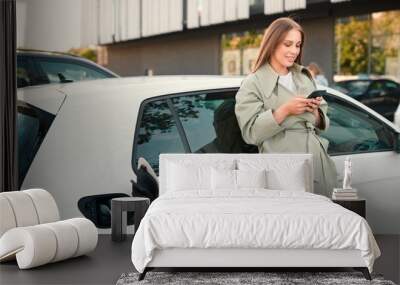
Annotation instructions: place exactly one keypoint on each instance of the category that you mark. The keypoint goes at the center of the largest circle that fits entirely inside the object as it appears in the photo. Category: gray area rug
(273, 278)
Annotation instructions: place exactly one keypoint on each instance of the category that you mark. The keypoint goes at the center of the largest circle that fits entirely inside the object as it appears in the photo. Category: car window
(157, 133)
(210, 123)
(390, 86)
(58, 71)
(32, 126)
(355, 88)
(377, 88)
(353, 130)
(23, 74)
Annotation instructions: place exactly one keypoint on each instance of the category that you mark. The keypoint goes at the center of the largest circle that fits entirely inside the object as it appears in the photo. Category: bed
(246, 211)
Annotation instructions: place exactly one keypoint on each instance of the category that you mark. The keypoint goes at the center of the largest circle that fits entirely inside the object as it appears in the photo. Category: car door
(198, 122)
(370, 143)
(210, 125)
(205, 122)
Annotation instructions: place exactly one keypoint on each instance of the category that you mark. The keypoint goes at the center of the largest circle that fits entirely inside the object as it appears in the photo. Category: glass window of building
(239, 52)
(368, 45)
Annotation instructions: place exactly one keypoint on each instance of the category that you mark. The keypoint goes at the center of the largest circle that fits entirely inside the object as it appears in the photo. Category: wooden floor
(110, 259)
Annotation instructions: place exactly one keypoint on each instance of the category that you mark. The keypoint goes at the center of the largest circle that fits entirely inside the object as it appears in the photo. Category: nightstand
(119, 208)
(356, 205)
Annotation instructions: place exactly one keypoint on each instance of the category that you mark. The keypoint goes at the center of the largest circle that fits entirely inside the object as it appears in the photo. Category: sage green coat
(259, 95)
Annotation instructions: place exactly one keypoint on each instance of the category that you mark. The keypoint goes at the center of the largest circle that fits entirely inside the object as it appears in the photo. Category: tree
(352, 38)
(88, 53)
(355, 35)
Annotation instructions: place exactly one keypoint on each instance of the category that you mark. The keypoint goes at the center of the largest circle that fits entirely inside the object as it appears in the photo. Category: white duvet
(250, 219)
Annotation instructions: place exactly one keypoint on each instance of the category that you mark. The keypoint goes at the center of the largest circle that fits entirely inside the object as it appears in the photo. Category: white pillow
(293, 179)
(223, 179)
(182, 177)
(193, 175)
(251, 178)
(231, 180)
(281, 174)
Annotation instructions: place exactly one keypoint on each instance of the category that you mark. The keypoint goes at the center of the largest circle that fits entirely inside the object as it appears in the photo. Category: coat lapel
(303, 80)
(268, 80)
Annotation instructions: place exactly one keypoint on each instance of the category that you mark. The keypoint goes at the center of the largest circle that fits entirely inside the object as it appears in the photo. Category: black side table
(356, 205)
(119, 209)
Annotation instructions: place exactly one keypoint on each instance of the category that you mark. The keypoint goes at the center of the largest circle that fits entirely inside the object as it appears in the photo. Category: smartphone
(317, 93)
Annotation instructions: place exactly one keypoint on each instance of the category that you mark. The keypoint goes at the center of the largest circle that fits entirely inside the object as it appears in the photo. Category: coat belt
(308, 128)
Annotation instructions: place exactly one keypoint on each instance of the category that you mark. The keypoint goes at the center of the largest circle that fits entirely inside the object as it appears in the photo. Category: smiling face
(288, 50)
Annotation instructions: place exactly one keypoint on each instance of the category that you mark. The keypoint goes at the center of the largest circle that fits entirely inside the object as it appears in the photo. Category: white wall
(49, 24)
(59, 25)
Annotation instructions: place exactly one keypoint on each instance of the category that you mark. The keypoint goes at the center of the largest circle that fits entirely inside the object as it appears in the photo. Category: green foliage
(352, 40)
(88, 53)
(353, 37)
(244, 40)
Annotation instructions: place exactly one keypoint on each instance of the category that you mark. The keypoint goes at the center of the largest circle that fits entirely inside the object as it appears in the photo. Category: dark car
(39, 67)
(381, 95)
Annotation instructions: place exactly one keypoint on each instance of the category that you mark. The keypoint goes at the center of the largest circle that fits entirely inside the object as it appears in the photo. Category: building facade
(53, 25)
(138, 37)
(195, 36)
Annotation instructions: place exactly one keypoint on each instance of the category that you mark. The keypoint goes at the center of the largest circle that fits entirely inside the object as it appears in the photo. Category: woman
(317, 74)
(271, 106)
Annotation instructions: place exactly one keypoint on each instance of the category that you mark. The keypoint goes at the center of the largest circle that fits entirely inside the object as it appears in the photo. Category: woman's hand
(296, 106)
(315, 105)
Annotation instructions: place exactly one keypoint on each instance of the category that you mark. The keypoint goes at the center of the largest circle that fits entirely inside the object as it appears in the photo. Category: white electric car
(397, 116)
(85, 138)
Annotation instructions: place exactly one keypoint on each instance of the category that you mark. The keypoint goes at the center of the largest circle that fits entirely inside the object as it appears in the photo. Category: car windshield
(354, 88)
(63, 72)
(36, 69)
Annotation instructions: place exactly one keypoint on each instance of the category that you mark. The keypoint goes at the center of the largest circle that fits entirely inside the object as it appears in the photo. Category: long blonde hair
(273, 36)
